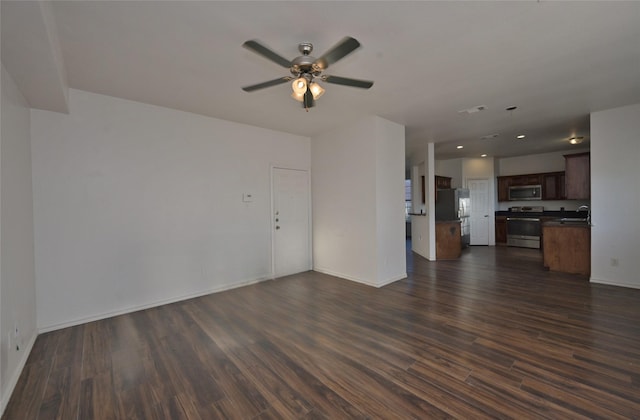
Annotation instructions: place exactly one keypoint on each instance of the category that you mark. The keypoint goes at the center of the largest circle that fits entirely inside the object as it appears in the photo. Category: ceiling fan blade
(267, 84)
(267, 53)
(335, 53)
(345, 81)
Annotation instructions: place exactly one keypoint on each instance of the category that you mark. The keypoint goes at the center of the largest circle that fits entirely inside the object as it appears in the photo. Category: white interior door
(290, 221)
(480, 211)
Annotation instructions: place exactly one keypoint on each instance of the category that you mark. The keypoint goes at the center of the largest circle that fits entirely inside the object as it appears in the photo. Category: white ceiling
(555, 61)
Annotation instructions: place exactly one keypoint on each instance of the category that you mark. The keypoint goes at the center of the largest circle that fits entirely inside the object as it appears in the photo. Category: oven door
(523, 232)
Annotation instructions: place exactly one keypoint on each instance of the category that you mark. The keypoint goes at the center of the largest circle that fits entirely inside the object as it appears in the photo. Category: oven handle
(523, 219)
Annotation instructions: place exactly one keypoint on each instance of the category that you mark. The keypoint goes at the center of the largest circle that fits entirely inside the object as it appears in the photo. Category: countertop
(554, 223)
(557, 214)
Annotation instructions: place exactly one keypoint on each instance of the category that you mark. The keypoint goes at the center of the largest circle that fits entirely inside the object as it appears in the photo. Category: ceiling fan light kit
(305, 69)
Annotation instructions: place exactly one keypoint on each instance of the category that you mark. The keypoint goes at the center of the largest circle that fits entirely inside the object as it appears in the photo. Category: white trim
(13, 381)
(359, 280)
(613, 283)
(104, 315)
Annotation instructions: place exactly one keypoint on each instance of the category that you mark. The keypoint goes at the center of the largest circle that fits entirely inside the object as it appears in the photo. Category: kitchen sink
(573, 221)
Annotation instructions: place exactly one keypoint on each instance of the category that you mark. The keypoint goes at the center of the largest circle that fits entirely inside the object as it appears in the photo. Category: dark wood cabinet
(443, 182)
(578, 176)
(501, 230)
(448, 240)
(553, 186)
(567, 248)
(504, 182)
(528, 179)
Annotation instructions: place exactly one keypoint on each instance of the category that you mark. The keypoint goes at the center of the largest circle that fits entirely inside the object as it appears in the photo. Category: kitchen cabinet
(443, 182)
(501, 230)
(553, 186)
(567, 248)
(578, 178)
(448, 240)
(527, 179)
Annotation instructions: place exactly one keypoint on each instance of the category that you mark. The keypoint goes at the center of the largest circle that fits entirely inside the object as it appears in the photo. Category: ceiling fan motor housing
(304, 63)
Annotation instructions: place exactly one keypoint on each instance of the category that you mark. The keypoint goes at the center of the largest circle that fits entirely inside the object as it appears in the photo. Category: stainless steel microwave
(525, 192)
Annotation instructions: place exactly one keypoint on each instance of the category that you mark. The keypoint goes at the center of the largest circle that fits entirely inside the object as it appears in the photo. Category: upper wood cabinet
(528, 179)
(578, 176)
(443, 182)
(504, 182)
(553, 186)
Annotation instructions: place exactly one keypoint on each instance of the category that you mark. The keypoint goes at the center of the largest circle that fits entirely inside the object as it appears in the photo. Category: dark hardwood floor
(491, 335)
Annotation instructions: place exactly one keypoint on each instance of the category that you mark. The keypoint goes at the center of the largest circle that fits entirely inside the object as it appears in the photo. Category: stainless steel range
(524, 230)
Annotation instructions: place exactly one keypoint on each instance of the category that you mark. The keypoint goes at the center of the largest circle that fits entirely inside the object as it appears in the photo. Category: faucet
(588, 212)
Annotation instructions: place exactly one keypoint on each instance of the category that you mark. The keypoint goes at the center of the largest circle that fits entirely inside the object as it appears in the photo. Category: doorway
(290, 217)
(480, 210)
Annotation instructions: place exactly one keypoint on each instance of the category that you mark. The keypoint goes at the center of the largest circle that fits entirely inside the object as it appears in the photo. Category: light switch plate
(247, 197)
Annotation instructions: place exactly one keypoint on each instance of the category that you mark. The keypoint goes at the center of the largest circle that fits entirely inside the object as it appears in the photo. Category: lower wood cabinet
(448, 240)
(501, 230)
(567, 248)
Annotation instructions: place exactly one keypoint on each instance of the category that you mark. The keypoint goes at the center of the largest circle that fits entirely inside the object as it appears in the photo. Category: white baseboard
(613, 283)
(11, 384)
(104, 315)
(393, 279)
(359, 280)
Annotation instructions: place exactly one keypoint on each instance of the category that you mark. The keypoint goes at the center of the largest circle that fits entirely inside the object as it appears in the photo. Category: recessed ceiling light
(489, 136)
(483, 155)
(459, 147)
(576, 140)
(520, 136)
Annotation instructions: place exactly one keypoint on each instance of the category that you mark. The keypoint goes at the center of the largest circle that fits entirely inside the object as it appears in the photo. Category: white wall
(17, 274)
(349, 199)
(137, 205)
(390, 206)
(451, 168)
(615, 196)
(423, 228)
(537, 163)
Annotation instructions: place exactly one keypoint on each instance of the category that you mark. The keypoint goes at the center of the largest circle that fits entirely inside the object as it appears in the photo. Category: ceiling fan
(307, 70)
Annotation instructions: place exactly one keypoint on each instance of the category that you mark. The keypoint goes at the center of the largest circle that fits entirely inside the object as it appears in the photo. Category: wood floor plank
(490, 335)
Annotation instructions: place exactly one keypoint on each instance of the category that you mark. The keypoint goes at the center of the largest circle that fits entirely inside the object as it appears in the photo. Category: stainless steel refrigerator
(455, 204)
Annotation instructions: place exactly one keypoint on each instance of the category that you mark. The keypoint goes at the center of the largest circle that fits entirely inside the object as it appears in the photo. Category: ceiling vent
(473, 109)
(489, 136)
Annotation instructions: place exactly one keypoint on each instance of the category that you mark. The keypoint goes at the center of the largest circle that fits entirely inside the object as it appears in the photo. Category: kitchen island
(566, 247)
(448, 240)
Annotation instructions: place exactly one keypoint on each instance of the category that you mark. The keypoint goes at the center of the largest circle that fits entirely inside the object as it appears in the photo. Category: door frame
(491, 206)
(272, 223)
